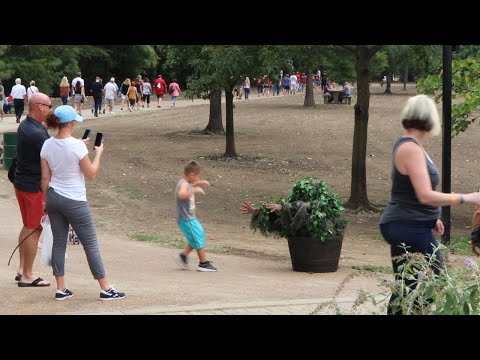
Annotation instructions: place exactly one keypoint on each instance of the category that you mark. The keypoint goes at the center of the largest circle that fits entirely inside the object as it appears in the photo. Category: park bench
(347, 99)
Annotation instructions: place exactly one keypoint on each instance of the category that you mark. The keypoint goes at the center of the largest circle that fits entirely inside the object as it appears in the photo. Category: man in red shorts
(31, 135)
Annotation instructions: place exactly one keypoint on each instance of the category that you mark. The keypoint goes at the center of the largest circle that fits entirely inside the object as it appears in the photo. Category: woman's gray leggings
(63, 211)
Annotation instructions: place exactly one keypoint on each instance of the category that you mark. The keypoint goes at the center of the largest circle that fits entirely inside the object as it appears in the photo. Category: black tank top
(404, 205)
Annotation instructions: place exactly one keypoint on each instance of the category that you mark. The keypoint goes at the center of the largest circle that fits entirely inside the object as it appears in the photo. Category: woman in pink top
(174, 91)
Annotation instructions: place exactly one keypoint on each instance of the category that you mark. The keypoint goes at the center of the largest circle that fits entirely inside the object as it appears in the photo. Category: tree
(398, 58)
(309, 97)
(219, 68)
(358, 196)
(215, 125)
(5, 68)
(45, 64)
(465, 88)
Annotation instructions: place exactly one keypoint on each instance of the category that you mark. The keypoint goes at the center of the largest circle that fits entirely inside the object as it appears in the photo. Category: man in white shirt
(19, 94)
(110, 90)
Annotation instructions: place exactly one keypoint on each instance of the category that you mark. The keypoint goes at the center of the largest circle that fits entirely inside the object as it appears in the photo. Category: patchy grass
(169, 242)
(378, 236)
(158, 239)
(459, 245)
(240, 132)
(133, 192)
(373, 268)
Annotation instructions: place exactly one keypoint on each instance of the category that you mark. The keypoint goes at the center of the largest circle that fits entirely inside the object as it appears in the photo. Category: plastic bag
(47, 241)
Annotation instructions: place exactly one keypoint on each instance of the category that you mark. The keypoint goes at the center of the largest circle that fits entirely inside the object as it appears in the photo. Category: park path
(155, 285)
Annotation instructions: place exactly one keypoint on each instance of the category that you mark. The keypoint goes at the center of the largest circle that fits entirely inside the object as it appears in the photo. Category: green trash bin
(9, 148)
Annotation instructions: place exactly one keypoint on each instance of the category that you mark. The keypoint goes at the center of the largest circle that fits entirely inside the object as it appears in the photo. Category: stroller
(72, 236)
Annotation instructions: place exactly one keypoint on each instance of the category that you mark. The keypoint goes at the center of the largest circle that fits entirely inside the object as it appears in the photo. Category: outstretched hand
(248, 208)
(273, 207)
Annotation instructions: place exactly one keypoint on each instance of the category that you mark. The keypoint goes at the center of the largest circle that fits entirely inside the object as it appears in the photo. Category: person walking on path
(65, 165)
(64, 90)
(160, 87)
(174, 91)
(185, 192)
(2, 97)
(412, 217)
(31, 136)
(19, 94)
(32, 89)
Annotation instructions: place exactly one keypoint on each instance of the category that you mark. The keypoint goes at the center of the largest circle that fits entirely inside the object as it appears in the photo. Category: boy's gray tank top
(185, 208)
(404, 205)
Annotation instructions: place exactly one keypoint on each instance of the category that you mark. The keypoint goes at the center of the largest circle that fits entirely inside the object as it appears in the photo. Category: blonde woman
(64, 90)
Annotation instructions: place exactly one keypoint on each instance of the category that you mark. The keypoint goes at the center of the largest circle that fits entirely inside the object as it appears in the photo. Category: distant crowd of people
(133, 94)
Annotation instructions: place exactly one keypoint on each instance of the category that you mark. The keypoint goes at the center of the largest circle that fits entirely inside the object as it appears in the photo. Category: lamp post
(447, 136)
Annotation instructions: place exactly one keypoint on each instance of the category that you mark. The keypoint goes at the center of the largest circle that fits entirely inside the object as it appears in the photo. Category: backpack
(11, 171)
(171, 89)
(78, 87)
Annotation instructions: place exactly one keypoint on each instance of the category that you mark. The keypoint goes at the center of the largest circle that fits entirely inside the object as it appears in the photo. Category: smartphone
(87, 133)
(98, 139)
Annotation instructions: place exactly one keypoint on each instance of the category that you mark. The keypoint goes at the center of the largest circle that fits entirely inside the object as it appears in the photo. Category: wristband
(455, 199)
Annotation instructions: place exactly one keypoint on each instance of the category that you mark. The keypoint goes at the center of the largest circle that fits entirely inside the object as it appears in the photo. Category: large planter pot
(309, 255)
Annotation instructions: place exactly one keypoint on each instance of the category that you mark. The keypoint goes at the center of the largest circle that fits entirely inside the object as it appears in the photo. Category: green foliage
(452, 292)
(310, 209)
(460, 245)
(465, 91)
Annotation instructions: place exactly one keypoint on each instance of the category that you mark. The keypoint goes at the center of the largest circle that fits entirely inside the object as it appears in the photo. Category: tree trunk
(405, 78)
(215, 125)
(389, 82)
(309, 97)
(358, 196)
(230, 143)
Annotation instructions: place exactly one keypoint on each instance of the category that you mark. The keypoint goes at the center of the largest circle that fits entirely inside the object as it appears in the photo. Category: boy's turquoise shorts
(193, 231)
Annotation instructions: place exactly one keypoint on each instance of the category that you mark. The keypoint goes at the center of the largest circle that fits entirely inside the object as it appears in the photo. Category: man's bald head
(39, 97)
(39, 106)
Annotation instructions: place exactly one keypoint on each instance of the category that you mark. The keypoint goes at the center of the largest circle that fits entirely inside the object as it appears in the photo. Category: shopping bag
(47, 241)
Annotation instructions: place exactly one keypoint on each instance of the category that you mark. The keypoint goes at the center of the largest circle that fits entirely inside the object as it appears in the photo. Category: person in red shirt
(160, 89)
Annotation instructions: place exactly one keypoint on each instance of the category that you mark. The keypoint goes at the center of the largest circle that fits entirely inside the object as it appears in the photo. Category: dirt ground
(278, 142)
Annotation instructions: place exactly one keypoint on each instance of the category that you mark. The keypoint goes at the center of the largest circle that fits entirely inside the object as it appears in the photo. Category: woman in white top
(246, 87)
(31, 90)
(65, 165)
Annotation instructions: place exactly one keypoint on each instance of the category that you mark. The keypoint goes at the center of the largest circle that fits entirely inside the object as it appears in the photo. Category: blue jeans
(64, 100)
(417, 237)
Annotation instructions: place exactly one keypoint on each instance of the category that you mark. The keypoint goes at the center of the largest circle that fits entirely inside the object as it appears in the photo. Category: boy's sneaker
(206, 266)
(111, 294)
(63, 295)
(181, 260)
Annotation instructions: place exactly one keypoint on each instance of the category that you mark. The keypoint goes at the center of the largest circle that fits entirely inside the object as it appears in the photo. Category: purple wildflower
(470, 263)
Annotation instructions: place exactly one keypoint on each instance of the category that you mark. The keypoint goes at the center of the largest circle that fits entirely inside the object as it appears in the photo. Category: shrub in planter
(310, 217)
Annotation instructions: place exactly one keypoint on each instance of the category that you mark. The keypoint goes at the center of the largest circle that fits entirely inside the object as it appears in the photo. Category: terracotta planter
(315, 256)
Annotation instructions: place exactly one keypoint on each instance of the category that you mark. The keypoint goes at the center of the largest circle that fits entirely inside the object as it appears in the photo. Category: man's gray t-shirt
(185, 208)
